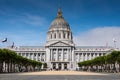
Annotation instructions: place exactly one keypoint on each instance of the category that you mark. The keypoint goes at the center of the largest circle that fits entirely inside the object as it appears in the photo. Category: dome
(59, 30)
(59, 22)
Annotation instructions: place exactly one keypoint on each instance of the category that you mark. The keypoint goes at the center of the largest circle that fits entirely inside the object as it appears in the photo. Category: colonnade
(34, 56)
(86, 56)
(59, 54)
(59, 35)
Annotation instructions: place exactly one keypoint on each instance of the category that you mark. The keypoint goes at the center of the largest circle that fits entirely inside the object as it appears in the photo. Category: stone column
(82, 57)
(97, 54)
(73, 56)
(44, 56)
(101, 54)
(32, 56)
(78, 57)
(29, 56)
(67, 55)
(40, 57)
(90, 56)
(87, 56)
(62, 33)
(51, 54)
(51, 65)
(94, 55)
(56, 65)
(62, 55)
(62, 65)
(56, 54)
(36, 56)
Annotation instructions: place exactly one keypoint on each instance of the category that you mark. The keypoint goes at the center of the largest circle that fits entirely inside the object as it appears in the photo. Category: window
(38, 54)
(76, 53)
(64, 35)
(27, 54)
(55, 35)
(68, 36)
(59, 35)
(51, 36)
(34, 54)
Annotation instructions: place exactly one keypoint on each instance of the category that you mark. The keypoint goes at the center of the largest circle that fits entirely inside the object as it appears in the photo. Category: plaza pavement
(59, 75)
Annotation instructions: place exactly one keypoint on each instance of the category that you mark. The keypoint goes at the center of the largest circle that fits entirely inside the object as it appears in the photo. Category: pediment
(59, 44)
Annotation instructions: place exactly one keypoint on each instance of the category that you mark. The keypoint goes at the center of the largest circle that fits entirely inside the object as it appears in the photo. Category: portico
(60, 56)
(60, 65)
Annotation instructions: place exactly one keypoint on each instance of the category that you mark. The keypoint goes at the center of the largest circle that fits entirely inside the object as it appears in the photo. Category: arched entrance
(65, 65)
(54, 66)
(59, 66)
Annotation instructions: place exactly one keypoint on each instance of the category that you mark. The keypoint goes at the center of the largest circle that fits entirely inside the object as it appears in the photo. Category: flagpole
(114, 41)
(115, 44)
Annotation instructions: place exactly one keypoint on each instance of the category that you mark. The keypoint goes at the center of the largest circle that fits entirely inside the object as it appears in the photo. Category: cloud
(99, 37)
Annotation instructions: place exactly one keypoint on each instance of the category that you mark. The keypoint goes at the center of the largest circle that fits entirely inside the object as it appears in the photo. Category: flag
(12, 46)
(5, 40)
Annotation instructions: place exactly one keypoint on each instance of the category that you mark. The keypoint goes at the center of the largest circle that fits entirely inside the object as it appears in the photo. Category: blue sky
(26, 22)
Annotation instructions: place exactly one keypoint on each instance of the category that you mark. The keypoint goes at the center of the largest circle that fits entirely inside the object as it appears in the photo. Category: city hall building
(60, 51)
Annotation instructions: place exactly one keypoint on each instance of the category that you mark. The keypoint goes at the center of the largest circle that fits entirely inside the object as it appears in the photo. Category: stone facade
(60, 51)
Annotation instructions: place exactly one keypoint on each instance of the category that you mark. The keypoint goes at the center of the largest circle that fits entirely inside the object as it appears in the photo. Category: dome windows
(68, 35)
(51, 36)
(64, 35)
(59, 35)
(55, 35)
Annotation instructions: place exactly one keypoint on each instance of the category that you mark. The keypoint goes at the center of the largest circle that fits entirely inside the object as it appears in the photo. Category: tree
(13, 61)
(102, 63)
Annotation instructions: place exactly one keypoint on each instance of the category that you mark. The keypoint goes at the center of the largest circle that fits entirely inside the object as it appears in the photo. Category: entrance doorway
(59, 66)
(65, 65)
(54, 66)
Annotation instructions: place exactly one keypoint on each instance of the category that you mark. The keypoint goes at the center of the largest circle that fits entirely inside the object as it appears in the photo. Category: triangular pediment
(60, 43)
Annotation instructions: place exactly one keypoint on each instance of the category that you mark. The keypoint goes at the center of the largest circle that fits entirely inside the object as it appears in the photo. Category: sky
(93, 22)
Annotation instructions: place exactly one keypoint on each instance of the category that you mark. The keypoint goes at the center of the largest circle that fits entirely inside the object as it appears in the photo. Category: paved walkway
(57, 73)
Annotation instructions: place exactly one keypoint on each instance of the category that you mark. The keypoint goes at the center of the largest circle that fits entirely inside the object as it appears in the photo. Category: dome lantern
(59, 14)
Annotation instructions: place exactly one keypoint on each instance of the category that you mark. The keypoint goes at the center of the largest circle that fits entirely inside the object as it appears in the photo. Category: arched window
(59, 35)
(68, 35)
(55, 35)
(51, 36)
(64, 35)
